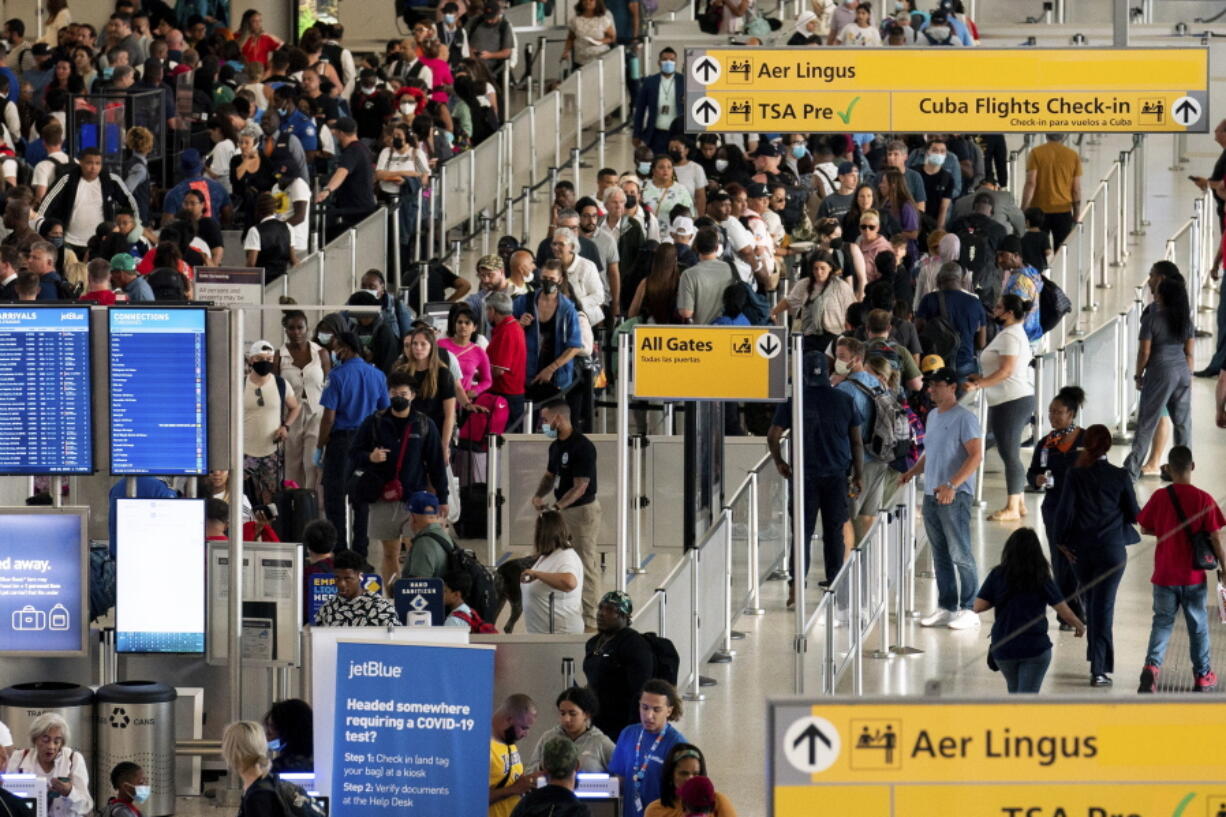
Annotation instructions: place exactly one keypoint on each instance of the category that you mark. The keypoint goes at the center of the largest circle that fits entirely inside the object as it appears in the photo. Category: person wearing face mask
(552, 334)
(370, 105)
(635, 209)
(657, 105)
(270, 407)
(294, 121)
(289, 727)
(452, 35)
(304, 365)
(690, 174)
(663, 192)
(570, 476)
(938, 183)
(380, 346)
(132, 790)
(491, 39)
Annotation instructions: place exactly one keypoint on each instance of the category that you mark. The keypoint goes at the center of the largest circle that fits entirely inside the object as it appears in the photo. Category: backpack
(480, 424)
(667, 660)
(917, 442)
(1053, 305)
(891, 437)
(939, 336)
(884, 349)
(476, 624)
(757, 310)
(934, 41)
(486, 595)
(296, 801)
(976, 255)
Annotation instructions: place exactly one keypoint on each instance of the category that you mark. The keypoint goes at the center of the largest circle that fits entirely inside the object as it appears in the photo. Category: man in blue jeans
(1176, 583)
(952, 451)
(832, 450)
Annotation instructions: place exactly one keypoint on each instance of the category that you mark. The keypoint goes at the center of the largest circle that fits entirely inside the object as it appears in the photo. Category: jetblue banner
(412, 730)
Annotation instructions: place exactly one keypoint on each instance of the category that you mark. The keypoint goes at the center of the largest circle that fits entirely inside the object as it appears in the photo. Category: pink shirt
(475, 374)
(442, 76)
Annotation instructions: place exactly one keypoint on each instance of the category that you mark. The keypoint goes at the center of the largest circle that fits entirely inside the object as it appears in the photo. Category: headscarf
(621, 601)
(950, 248)
(803, 20)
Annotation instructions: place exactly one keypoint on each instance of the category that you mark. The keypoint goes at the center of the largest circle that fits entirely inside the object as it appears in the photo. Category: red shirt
(1173, 556)
(257, 49)
(103, 297)
(508, 349)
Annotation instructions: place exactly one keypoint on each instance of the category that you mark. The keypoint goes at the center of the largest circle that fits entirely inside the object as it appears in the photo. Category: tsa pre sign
(411, 729)
(710, 363)
(1054, 758)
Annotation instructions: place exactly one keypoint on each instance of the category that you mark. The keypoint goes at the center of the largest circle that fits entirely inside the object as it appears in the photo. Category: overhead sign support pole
(1120, 22)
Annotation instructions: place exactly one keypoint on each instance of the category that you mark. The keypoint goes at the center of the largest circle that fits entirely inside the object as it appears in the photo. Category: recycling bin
(136, 722)
(22, 703)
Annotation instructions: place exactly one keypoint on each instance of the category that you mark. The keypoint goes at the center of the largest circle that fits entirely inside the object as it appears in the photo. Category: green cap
(123, 261)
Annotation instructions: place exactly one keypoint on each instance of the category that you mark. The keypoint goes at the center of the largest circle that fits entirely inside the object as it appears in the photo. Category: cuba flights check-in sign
(1068, 757)
(944, 90)
(709, 363)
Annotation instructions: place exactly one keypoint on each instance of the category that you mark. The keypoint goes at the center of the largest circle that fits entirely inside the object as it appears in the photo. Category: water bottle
(636, 71)
(1049, 480)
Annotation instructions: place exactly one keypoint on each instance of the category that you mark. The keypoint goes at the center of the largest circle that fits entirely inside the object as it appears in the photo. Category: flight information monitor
(45, 418)
(159, 409)
(159, 575)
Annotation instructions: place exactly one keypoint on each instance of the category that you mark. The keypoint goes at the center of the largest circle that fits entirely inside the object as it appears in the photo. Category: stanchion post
(887, 525)
(755, 575)
(727, 648)
(438, 201)
(695, 693)
(799, 545)
(526, 200)
(557, 132)
(472, 190)
(234, 609)
(623, 482)
(492, 486)
(1139, 222)
(600, 129)
(635, 566)
(981, 411)
(531, 150)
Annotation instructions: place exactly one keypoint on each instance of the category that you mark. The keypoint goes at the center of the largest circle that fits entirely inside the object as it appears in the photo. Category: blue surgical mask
(275, 745)
(141, 794)
(324, 338)
(935, 159)
(668, 66)
(449, 19)
(644, 168)
(798, 150)
(336, 361)
(549, 431)
(57, 241)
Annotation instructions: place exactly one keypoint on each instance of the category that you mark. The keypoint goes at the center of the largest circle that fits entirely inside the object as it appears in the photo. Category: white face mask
(842, 368)
(408, 108)
(721, 165)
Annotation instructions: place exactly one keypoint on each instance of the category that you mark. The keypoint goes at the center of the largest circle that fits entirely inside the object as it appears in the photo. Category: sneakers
(963, 620)
(1149, 679)
(937, 618)
(1100, 680)
(1206, 682)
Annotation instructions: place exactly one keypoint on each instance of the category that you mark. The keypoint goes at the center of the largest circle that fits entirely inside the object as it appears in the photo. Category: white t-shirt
(567, 607)
(86, 213)
(740, 239)
(1011, 341)
(691, 176)
(219, 162)
(44, 171)
(393, 161)
(852, 34)
(299, 234)
(6, 737)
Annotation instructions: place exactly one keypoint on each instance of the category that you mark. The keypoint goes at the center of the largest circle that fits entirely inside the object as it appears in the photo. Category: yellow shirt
(1056, 166)
(505, 767)
(723, 808)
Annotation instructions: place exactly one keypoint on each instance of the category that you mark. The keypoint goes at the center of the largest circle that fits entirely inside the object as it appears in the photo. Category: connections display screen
(159, 578)
(159, 413)
(42, 598)
(45, 405)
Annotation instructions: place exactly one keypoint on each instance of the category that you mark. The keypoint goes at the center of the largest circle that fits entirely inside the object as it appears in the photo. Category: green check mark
(846, 115)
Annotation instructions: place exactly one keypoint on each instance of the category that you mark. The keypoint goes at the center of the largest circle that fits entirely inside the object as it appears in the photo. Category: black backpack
(939, 336)
(757, 310)
(668, 662)
(296, 800)
(1053, 305)
(486, 595)
(976, 255)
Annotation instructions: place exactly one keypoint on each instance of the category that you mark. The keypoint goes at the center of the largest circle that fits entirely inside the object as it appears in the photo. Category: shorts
(879, 482)
(387, 520)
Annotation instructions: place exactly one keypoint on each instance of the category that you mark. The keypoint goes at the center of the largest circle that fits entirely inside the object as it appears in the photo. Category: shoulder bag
(1203, 557)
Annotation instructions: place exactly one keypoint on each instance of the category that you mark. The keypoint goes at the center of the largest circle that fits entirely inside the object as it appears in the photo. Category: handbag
(393, 490)
(1203, 557)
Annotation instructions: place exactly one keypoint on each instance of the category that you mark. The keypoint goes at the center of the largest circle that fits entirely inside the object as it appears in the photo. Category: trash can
(136, 722)
(22, 703)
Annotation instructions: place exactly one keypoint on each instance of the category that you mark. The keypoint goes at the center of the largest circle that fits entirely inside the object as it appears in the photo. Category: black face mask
(675, 155)
(397, 143)
(836, 243)
(549, 286)
(262, 367)
(399, 403)
(632, 202)
(1000, 320)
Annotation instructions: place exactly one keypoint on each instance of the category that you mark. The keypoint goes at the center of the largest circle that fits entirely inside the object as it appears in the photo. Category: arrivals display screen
(46, 422)
(43, 557)
(159, 576)
(159, 409)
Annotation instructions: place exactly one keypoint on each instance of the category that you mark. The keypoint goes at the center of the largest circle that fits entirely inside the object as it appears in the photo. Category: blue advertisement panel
(159, 394)
(40, 583)
(412, 730)
(419, 602)
(45, 419)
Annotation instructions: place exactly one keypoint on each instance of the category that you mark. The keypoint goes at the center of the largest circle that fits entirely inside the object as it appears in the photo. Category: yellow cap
(931, 363)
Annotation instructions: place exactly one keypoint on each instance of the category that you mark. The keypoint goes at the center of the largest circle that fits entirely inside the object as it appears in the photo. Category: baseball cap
(932, 363)
(345, 125)
(123, 261)
(766, 149)
(489, 262)
(942, 375)
(190, 161)
(260, 347)
(684, 225)
(847, 167)
(492, 8)
(423, 503)
(757, 190)
(719, 195)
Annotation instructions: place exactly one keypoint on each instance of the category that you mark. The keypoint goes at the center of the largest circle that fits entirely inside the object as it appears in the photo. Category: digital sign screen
(159, 409)
(46, 422)
(43, 608)
(159, 575)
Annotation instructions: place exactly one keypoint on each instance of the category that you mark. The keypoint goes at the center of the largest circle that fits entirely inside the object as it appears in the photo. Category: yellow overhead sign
(709, 363)
(1018, 90)
(933, 758)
